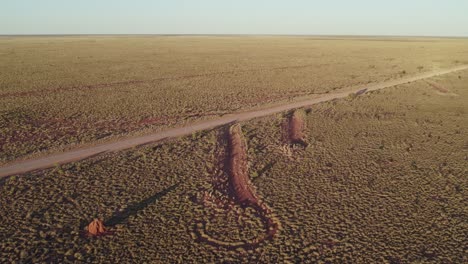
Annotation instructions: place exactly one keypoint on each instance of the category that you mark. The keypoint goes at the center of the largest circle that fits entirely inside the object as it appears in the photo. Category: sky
(286, 17)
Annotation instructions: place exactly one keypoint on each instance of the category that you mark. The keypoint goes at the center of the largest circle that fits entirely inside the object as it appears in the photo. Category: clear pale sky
(323, 17)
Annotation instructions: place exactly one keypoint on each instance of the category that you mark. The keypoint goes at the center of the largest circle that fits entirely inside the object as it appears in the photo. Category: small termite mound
(240, 190)
(294, 128)
(96, 228)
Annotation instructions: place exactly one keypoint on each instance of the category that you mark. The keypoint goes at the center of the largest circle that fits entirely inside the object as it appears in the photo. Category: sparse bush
(73, 100)
(344, 200)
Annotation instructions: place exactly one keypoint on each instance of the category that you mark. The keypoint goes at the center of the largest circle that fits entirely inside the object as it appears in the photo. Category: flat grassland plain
(379, 177)
(57, 92)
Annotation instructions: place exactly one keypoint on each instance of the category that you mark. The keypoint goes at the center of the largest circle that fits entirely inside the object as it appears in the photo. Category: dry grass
(59, 91)
(382, 180)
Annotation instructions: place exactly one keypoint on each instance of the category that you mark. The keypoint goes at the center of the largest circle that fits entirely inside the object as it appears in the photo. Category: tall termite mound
(237, 166)
(240, 189)
(240, 184)
(294, 129)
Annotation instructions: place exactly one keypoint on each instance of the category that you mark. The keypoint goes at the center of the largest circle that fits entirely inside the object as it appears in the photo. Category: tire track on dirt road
(23, 166)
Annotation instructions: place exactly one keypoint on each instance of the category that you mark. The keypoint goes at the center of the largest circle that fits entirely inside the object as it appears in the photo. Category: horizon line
(228, 35)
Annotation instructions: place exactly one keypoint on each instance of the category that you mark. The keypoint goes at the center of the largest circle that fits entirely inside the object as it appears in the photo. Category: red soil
(40, 92)
(39, 130)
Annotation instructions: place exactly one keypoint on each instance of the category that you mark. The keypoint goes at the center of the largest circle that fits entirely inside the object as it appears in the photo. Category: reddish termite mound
(96, 228)
(238, 170)
(294, 129)
(240, 188)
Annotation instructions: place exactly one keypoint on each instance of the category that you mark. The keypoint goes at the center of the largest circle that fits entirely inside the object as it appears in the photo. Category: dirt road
(20, 167)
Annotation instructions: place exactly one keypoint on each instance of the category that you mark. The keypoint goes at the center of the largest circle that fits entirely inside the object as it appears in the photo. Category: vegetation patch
(77, 90)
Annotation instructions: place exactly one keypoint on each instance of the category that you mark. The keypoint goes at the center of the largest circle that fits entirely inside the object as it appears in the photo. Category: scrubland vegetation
(382, 179)
(61, 91)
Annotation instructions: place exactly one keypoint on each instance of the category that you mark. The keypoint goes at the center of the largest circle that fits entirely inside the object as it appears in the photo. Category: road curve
(20, 167)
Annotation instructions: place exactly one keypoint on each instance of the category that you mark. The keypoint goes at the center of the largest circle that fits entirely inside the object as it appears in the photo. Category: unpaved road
(20, 167)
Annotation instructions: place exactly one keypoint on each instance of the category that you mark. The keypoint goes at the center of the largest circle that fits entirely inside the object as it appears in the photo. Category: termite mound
(293, 129)
(241, 192)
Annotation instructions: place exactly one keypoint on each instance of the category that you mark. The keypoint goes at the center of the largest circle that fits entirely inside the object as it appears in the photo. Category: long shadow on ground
(133, 209)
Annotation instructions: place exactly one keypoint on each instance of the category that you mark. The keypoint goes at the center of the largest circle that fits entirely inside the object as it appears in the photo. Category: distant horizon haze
(398, 18)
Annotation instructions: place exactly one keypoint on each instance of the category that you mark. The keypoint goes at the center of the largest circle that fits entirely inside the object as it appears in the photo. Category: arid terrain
(58, 92)
(378, 176)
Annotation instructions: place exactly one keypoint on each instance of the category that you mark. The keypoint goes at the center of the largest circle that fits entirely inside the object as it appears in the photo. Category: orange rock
(96, 228)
